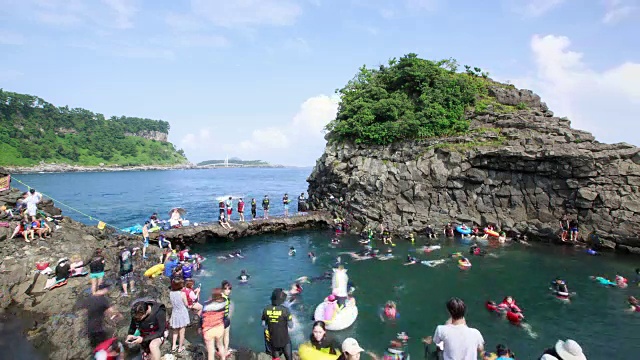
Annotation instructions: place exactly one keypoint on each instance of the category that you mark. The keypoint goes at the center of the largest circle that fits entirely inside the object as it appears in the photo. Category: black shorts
(222, 211)
(96, 337)
(227, 322)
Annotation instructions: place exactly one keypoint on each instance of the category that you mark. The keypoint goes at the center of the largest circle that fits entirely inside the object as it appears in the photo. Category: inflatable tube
(562, 295)
(463, 231)
(154, 271)
(307, 352)
(491, 233)
(341, 320)
(464, 265)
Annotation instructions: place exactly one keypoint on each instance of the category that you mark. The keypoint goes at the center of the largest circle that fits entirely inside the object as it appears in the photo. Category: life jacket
(253, 204)
(240, 206)
(514, 317)
(213, 315)
(182, 254)
(227, 306)
(285, 200)
(187, 292)
(265, 202)
(105, 346)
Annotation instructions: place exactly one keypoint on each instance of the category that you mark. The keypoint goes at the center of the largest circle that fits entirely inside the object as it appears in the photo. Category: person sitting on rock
(44, 230)
(573, 227)
(429, 232)
(223, 222)
(24, 230)
(448, 230)
(62, 272)
(149, 319)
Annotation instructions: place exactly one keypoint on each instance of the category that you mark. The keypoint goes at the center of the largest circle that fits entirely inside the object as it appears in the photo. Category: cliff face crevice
(522, 170)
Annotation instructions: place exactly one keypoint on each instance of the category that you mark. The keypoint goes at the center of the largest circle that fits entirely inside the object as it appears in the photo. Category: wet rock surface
(522, 170)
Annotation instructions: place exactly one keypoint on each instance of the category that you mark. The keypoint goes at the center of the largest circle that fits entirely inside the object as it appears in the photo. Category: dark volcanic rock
(208, 232)
(522, 170)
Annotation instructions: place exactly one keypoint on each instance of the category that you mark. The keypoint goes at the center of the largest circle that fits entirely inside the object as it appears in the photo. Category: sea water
(595, 317)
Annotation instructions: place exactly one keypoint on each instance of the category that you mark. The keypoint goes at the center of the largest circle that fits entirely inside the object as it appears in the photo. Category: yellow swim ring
(306, 351)
(154, 271)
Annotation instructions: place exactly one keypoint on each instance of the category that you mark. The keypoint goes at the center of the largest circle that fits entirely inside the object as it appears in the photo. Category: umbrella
(180, 210)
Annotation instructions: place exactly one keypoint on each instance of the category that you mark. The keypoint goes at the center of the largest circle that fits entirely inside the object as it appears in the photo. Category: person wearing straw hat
(564, 350)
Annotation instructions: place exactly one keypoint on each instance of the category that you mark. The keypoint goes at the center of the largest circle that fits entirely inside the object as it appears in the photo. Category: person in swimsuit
(241, 209)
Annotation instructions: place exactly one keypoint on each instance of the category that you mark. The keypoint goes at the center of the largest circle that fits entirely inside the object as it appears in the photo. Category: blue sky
(256, 78)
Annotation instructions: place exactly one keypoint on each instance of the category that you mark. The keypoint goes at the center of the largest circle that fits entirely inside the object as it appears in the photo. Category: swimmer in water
(634, 304)
(603, 281)
(390, 311)
(476, 250)
(292, 251)
(312, 256)
(335, 241)
(411, 260)
(243, 277)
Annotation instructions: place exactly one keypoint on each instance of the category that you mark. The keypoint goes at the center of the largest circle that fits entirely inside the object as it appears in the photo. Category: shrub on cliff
(410, 98)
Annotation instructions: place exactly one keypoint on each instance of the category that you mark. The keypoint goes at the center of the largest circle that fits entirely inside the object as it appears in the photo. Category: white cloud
(247, 12)
(605, 103)
(124, 12)
(10, 38)
(299, 142)
(618, 10)
(533, 8)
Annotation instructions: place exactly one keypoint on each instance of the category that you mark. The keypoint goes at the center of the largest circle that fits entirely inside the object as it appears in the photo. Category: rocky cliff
(150, 135)
(522, 169)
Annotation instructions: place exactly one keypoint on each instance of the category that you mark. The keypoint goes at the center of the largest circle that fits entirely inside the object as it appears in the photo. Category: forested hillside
(33, 130)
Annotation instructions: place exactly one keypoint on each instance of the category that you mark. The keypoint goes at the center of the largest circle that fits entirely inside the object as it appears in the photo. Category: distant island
(236, 162)
(35, 133)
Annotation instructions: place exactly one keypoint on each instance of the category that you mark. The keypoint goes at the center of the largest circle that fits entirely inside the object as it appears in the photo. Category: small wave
(527, 328)
(205, 273)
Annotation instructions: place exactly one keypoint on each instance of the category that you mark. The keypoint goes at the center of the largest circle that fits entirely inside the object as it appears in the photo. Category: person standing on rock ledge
(229, 205)
(97, 306)
(125, 258)
(254, 207)
(265, 206)
(32, 201)
(285, 204)
(241, 209)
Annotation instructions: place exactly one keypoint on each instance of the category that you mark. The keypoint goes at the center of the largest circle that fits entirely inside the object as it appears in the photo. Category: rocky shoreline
(66, 168)
(51, 324)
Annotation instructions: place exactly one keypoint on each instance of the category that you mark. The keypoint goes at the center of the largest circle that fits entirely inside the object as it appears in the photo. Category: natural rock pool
(595, 317)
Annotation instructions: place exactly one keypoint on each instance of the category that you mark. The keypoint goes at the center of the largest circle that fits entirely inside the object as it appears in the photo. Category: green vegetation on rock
(411, 98)
(33, 131)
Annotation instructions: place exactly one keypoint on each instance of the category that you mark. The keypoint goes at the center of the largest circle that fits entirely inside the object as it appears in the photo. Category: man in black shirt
(97, 306)
(277, 320)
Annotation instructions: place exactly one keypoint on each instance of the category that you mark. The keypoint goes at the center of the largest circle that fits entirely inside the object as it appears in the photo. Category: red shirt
(240, 206)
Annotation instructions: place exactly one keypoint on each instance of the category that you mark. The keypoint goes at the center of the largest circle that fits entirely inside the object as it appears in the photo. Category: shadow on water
(14, 324)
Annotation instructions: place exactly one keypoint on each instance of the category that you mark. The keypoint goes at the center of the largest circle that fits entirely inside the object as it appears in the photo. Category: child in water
(243, 277)
(292, 251)
(411, 260)
(390, 311)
